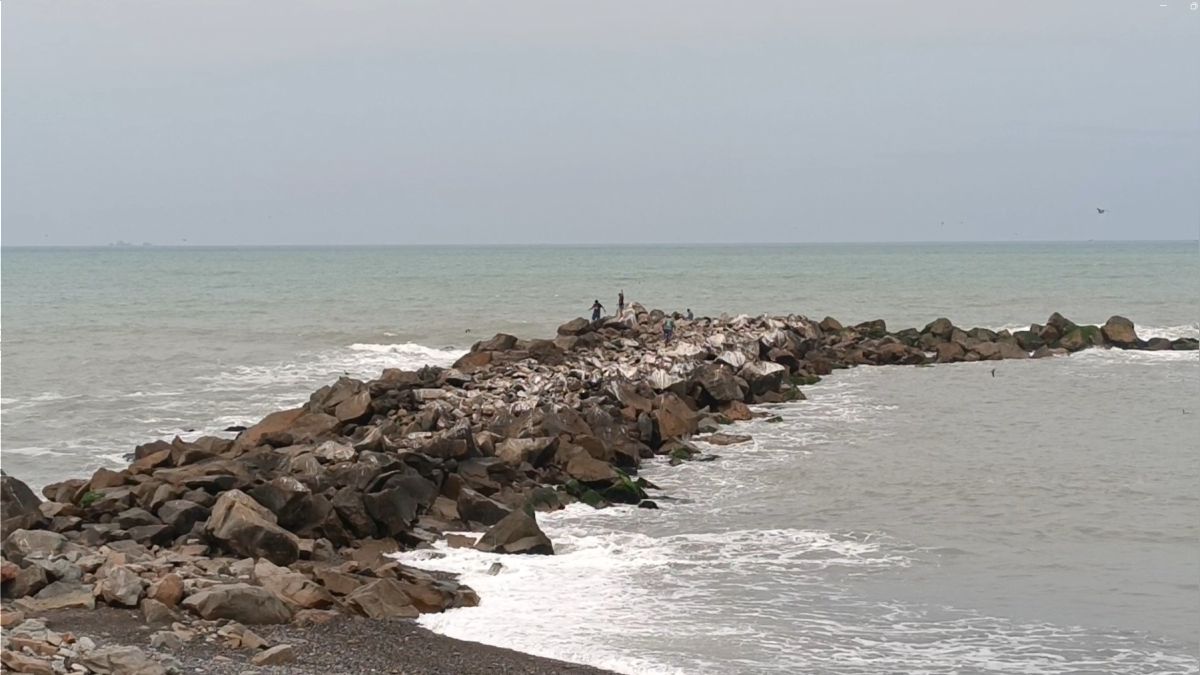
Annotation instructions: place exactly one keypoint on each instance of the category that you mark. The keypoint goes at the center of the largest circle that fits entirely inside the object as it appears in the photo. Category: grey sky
(440, 121)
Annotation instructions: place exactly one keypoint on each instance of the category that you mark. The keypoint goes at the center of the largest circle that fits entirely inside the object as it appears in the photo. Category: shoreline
(296, 516)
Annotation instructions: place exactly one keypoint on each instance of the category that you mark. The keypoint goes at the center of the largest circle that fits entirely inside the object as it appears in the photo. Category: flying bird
(1100, 210)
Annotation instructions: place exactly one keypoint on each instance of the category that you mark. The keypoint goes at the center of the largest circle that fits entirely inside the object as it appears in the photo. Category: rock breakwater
(293, 520)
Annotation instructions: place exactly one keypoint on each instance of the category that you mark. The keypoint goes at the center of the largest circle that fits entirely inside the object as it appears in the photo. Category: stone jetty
(294, 519)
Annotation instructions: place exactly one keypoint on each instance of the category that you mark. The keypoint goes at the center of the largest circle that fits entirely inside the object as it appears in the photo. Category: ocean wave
(1145, 332)
(1191, 330)
(411, 350)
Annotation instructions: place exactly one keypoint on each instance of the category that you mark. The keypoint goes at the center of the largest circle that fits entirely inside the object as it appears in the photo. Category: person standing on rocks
(668, 329)
(689, 314)
(597, 310)
(621, 302)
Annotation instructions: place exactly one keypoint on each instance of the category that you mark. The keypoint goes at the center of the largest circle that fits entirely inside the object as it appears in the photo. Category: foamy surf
(675, 591)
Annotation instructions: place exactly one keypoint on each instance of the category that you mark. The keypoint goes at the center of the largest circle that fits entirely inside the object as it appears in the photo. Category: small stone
(275, 656)
(157, 613)
(168, 590)
(20, 663)
(11, 617)
(251, 640)
(165, 639)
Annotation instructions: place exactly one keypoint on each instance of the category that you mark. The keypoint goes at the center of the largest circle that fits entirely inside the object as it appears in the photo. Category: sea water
(1041, 519)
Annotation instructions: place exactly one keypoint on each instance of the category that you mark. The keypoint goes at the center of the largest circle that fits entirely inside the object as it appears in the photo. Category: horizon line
(151, 245)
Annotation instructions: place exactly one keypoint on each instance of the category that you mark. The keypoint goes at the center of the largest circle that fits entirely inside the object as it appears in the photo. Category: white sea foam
(411, 352)
(1190, 330)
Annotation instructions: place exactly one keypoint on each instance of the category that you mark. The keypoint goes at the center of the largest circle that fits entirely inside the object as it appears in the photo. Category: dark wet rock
(181, 514)
(830, 325)
(718, 382)
(16, 499)
(518, 532)
(348, 504)
(1045, 352)
(1185, 344)
(940, 328)
(876, 328)
(1158, 344)
(474, 507)
(134, 517)
(395, 508)
(726, 439)
(248, 528)
(578, 464)
(1081, 337)
(287, 498)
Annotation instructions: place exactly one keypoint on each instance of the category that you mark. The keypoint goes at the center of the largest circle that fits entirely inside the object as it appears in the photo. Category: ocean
(1041, 519)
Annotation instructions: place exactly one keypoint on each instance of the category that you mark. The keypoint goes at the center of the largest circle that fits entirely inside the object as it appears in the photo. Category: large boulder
(518, 532)
(397, 506)
(285, 497)
(986, 351)
(579, 464)
(940, 328)
(18, 505)
(59, 595)
(248, 528)
(121, 587)
(950, 352)
(1120, 331)
(876, 328)
(119, 660)
(293, 588)
(500, 342)
(763, 376)
(534, 451)
(675, 418)
(1009, 349)
(472, 361)
(1060, 323)
(718, 382)
(32, 543)
(382, 599)
(286, 427)
(1081, 337)
(348, 504)
(181, 514)
(241, 602)
(577, 326)
(474, 507)
(26, 582)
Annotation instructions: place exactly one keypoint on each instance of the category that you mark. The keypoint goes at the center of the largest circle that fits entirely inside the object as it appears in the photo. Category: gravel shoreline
(348, 645)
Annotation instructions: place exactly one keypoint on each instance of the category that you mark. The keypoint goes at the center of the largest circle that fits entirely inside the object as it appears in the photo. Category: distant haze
(608, 121)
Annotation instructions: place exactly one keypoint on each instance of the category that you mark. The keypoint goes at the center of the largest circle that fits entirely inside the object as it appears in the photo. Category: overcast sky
(604, 121)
